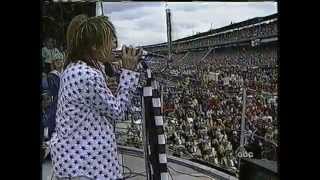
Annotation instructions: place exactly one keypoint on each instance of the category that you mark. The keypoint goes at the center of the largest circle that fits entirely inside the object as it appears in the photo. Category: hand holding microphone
(130, 57)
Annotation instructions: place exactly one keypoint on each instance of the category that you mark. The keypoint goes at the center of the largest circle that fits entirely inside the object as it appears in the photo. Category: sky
(144, 23)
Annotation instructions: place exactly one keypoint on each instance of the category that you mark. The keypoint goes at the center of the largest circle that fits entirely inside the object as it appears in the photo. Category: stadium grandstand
(249, 32)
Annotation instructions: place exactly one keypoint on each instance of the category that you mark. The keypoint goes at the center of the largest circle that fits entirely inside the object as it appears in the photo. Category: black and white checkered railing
(155, 138)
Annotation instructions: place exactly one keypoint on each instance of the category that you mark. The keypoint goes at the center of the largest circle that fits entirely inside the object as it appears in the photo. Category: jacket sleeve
(105, 102)
(53, 84)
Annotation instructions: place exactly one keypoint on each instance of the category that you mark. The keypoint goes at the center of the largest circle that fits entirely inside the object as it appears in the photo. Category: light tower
(101, 6)
(169, 40)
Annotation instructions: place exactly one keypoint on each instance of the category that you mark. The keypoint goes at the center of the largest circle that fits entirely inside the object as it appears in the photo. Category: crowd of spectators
(243, 56)
(263, 30)
(206, 122)
(203, 114)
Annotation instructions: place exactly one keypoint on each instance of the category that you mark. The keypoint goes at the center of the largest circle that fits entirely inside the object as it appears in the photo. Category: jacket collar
(55, 72)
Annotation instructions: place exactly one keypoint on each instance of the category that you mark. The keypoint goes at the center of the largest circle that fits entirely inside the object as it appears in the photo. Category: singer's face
(110, 57)
(114, 43)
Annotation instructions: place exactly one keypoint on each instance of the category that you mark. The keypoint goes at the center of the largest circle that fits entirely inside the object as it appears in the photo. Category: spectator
(53, 89)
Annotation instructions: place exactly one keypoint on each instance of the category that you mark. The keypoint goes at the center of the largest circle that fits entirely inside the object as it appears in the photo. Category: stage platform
(179, 168)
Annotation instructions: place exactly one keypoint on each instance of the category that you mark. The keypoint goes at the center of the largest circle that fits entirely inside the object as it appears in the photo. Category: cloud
(139, 26)
(144, 23)
(109, 7)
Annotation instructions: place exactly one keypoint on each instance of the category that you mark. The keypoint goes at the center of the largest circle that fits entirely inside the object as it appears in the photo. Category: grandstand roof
(232, 26)
(225, 28)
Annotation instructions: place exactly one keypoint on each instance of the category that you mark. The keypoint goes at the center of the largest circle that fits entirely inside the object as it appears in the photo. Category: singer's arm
(105, 102)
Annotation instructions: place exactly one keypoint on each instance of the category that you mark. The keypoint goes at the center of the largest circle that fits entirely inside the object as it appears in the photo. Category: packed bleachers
(203, 114)
(215, 109)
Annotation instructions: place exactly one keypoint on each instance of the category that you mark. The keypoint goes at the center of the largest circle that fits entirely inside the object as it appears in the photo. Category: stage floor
(137, 164)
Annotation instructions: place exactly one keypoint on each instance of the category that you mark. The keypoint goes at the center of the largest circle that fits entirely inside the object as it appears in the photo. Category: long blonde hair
(73, 26)
(90, 39)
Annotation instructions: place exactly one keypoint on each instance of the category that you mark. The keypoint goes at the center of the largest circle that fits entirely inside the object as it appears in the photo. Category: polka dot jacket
(84, 143)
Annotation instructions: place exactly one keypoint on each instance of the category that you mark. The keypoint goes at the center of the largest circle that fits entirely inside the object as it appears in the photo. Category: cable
(132, 173)
(122, 163)
(189, 174)
(170, 174)
(51, 176)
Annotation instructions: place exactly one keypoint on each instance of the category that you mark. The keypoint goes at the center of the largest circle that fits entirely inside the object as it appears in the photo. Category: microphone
(109, 70)
(145, 55)
(151, 54)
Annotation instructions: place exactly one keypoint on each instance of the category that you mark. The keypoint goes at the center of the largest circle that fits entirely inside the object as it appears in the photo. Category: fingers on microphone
(134, 51)
(140, 52)
(124, 53)
(130, 49)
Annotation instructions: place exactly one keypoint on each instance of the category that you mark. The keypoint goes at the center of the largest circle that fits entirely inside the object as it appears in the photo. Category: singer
(84, 145)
